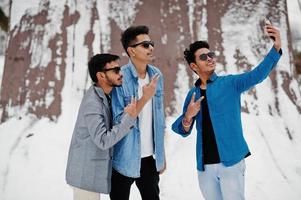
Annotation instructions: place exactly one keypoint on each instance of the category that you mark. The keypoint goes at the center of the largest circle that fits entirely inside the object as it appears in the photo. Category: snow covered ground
(34, 152)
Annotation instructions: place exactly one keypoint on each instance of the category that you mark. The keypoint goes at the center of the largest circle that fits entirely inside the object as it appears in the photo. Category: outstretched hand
(274, 32)
(131, 109)
(193, 107)
(149, 90)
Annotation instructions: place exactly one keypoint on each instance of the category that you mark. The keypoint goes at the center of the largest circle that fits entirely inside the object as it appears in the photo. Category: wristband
(186, 123)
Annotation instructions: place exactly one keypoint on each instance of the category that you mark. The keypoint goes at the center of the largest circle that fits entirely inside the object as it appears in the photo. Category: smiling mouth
(211, 64)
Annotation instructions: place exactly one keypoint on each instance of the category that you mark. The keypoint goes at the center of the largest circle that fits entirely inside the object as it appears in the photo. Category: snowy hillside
(45, 77)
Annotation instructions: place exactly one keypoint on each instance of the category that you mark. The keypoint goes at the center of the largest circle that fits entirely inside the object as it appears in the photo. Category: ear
(193, 66)
(100, 75)
(131, 51)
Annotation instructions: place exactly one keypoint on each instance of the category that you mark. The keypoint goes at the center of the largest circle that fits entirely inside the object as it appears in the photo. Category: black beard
(111, 82)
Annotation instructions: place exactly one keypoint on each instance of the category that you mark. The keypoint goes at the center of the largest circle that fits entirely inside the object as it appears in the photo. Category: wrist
(277, 47)
(186, 122)
(144, 98)
(187, 117)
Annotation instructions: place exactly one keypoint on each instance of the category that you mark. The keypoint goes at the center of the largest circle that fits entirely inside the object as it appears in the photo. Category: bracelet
(186, 123)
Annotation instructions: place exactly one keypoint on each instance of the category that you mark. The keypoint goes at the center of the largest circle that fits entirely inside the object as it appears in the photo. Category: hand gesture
(273, 32)
(150, 89)
(193, 107)
(131, 109)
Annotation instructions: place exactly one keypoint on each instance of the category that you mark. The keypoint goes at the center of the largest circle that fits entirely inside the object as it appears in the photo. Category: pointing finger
(200, 99)
(135, 100)
(132, 99)
(155, 78)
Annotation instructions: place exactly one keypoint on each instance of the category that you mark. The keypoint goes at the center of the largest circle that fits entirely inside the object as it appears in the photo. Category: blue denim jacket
(127, 152)
(223, 98)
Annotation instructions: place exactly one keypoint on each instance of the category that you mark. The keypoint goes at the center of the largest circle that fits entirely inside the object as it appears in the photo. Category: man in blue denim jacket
(139, 157)
(214, 104)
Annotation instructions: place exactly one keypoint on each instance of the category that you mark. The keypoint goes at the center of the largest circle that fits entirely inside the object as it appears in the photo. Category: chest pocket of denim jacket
(127, 100)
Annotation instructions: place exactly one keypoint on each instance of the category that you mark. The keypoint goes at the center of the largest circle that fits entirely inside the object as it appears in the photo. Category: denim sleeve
(177, 126)
(245, 81)
(118, 104)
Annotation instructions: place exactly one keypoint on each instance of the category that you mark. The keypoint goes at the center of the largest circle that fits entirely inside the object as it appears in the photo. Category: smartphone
(268, 22)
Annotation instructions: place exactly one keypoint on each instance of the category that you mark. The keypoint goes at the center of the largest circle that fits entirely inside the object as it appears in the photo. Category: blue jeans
(219, 182)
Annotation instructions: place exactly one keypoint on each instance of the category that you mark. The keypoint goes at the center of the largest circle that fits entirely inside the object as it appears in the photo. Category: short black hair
(129, 35)
(189, 53)
(98, 62)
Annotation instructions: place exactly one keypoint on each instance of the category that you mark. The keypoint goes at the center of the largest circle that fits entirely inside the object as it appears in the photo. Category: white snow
(123, 12)
(294, 15)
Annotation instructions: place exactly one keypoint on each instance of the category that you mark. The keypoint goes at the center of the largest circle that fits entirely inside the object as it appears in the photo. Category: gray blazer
(89, 164)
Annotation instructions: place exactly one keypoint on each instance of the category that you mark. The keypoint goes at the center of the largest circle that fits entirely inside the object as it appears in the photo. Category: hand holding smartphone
(268, 22)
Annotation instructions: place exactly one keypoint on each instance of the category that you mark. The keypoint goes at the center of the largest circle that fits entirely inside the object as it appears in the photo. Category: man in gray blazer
(89, 164)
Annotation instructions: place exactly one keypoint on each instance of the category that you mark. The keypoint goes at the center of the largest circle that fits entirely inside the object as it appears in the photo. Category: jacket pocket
(101, 155)
(127, 100)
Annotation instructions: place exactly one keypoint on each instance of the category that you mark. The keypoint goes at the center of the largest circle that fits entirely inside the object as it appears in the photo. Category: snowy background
(33, 149)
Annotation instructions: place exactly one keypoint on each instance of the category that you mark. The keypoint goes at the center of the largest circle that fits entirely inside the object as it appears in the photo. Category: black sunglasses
(204, 56)
(144, 44)
(116, 70)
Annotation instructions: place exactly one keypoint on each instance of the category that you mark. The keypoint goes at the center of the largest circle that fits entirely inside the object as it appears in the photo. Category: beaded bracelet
(186, 123)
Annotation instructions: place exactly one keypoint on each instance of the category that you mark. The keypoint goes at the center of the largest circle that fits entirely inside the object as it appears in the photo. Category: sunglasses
(204, 56)
(144, 44)
(116, 70)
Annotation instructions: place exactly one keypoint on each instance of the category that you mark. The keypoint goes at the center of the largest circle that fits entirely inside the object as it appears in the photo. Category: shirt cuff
(274, 54)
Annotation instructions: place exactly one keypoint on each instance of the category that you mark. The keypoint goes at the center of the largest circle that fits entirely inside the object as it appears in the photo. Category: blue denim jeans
(219, 182)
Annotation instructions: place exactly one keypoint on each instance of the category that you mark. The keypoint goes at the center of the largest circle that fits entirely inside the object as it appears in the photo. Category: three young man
(139, 155)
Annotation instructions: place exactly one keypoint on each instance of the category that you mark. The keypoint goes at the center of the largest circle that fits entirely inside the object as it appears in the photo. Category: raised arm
(245, 81)
(95, 120)
(183, 125)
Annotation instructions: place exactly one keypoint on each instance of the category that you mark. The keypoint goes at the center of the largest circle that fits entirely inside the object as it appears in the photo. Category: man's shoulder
(155, 69)
(125, 67)
(91, 98)
(224, 77)
(191, 91)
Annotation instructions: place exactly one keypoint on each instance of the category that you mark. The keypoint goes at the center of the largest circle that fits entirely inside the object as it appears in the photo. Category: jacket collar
(212, 78)
(133, 70)
(99, 91)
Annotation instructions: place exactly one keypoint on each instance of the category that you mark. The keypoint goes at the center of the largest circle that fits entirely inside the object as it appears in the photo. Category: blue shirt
(127, 152)
(223, 98)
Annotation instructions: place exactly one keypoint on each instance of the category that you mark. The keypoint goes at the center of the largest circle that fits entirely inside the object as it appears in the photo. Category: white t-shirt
(145, 122)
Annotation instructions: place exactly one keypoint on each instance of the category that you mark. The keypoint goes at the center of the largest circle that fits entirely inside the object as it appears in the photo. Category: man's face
(113, 76)
(142, 49)
(205, 61)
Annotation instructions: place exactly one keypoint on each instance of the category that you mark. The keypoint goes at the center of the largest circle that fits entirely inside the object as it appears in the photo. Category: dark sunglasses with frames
(116, 70)
(204, 56)
(144, 44)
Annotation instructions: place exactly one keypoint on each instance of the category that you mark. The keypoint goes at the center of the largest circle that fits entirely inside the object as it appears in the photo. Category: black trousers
(147, 183)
